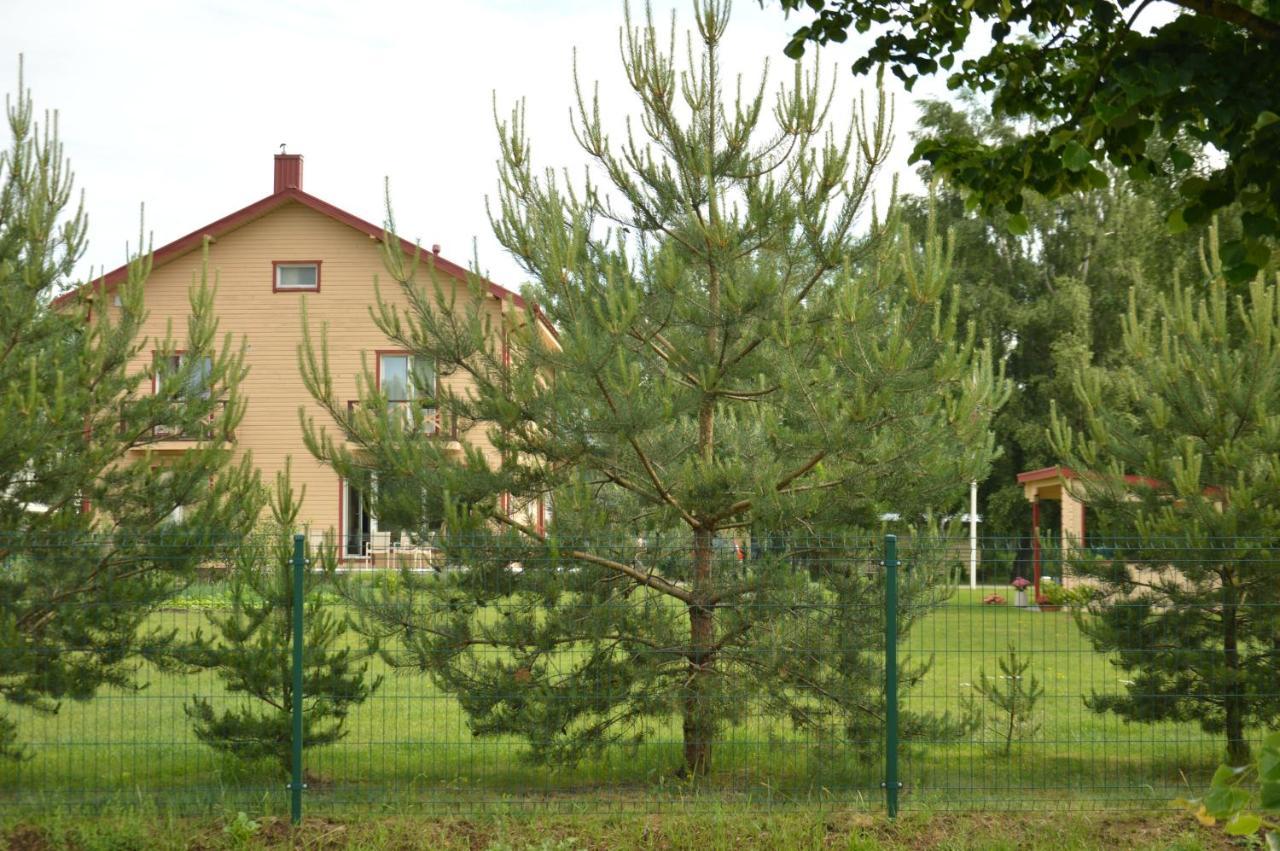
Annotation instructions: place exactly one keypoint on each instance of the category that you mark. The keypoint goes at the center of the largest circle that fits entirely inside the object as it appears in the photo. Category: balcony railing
(431, 422)
(191, 431)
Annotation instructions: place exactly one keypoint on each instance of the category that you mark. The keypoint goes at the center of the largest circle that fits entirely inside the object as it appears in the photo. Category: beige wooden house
(269, 256)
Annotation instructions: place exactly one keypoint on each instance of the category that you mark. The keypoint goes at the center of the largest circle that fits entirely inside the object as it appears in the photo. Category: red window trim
(275, 276)
(342, 526)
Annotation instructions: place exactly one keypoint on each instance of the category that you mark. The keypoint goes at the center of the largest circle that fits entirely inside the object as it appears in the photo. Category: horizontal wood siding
(270, 322)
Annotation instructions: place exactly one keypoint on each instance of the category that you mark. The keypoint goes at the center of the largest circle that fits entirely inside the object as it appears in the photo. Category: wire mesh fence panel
(1105, 681)
(93, 684)
(631, 673)
(608, 674)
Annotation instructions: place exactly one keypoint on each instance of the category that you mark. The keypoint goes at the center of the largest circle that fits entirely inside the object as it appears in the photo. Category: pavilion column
(1035, 543)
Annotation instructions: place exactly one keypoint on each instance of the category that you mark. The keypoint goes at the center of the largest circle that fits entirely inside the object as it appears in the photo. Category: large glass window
(196, 384)
(403, 377)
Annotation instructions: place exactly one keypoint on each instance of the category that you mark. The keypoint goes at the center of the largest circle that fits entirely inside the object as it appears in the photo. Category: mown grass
(410, 746)
(1078, 756)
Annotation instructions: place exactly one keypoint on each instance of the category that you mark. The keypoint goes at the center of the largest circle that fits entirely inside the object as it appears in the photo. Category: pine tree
(251, 650)
(88, 537)
(1012, 694)
(731, 357)
(1188, 598)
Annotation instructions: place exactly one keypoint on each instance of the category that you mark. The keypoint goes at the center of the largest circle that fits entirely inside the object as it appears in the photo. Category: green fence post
(299, 575)
(891, 784)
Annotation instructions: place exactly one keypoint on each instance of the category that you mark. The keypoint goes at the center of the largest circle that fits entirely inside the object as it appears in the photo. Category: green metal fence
(845, 672)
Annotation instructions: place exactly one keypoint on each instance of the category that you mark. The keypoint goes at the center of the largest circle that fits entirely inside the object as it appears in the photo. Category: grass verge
(656, 832)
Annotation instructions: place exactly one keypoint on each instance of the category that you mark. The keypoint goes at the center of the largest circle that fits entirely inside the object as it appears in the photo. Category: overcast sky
(181, 106)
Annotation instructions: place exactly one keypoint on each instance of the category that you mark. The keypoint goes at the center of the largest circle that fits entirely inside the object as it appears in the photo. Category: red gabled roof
(1067, 473)
(1046, 473)
(108, 282)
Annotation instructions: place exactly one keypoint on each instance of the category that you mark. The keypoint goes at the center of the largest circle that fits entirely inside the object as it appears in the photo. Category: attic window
(296, 276)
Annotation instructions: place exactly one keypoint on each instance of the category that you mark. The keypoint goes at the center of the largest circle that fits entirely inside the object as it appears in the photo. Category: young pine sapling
(251, 651)
(1012, 697)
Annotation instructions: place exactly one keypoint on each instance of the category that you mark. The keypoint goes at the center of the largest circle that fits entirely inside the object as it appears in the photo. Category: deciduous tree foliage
(1098, 80)
(730, 359)
(87, 541)
(1188, 598)
(1048, 299)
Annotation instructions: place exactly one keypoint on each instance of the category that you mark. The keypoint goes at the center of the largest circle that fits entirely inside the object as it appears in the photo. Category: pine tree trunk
(1233, 698)
(699, 720)
(1238, 751)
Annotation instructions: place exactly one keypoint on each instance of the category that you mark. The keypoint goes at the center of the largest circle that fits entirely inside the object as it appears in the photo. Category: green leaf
(1269, 765)
(1018, 225)
(1181, 159)
(1245, 824)
(1273, 841)
(1175, 222)
(1257, 253)
(1225, 798)
(1218, 803)
(1194, 214)
(1241, 274)
(1233, 253)
(1257, 225)
(1140, 171)
(1265, 119)
(1075, 157)
(1269, 795)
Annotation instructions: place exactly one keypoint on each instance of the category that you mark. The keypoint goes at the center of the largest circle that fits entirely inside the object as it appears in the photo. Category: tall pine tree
(732, 357)
(1188, 599)
(88, 537)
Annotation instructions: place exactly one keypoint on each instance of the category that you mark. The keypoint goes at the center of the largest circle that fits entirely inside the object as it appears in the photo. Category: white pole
(973, 535)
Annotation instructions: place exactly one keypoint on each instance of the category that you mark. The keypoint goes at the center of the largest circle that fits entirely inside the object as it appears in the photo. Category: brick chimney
(288, 172)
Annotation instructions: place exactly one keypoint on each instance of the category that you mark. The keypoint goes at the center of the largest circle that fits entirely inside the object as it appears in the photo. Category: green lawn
(410, 746)
(1078, 757)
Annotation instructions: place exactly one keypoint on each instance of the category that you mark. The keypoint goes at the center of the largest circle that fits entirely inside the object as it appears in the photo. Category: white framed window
(296, 276)
(404, 378)
(197, 383)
